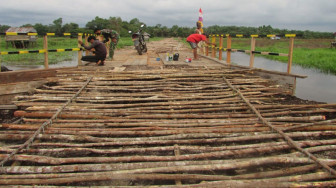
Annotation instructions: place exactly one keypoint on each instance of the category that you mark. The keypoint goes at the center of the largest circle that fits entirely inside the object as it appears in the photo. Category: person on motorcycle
(109, 36)
(100, 51)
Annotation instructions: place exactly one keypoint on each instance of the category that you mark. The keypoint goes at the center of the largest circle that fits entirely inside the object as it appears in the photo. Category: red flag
(200, 17)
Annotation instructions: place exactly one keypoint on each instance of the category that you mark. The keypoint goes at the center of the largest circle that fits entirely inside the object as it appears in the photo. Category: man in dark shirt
(100, 51)
(111, 37)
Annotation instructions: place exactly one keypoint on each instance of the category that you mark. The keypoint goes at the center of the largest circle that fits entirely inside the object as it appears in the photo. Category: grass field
(53, 43)
(311, 53)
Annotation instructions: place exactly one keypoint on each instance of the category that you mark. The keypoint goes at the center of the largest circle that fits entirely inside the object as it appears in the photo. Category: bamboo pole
(45, 47)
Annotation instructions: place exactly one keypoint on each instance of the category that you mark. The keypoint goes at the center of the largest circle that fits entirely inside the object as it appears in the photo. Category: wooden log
(275, 182)
(194, 149)
(155, 131)
(48, 115)
(309, 125)
(181, 167)
(221, 154)
(279, 131)
(163, 140)
(230, 164)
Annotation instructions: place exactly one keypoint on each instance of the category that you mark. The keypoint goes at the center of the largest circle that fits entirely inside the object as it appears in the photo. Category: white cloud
(292, 14)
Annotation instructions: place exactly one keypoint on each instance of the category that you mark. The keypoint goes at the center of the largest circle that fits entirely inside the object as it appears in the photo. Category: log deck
(142, 122)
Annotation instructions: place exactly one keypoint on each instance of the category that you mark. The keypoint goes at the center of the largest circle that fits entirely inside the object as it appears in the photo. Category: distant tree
(70, 28)
(3, 28)
(115, 23)
(41, 29)
(27, 25)
(56, 27)
(98, 22)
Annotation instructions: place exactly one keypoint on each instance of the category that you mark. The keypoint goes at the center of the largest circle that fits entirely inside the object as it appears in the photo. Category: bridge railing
(46, 44)
(228, 48)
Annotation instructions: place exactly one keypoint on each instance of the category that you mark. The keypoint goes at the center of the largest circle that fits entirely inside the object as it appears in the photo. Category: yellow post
(228, 52)
(45, 47)
(213, 47)
(253, 44)
(220, 47)
(80, 51)
(290, 54)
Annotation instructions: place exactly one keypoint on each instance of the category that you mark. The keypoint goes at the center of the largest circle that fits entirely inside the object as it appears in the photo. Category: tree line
(122, 27)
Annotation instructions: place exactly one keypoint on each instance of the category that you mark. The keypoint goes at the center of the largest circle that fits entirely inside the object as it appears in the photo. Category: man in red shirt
(194, 39)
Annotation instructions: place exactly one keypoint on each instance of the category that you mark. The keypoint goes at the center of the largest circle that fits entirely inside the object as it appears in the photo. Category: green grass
(38, 59)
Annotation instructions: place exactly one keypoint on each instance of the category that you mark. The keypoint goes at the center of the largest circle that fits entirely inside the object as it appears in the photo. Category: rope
(40, 130)
(289, 140)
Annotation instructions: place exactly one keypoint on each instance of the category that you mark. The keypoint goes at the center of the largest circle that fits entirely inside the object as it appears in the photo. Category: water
(71, 63)
(318, 86)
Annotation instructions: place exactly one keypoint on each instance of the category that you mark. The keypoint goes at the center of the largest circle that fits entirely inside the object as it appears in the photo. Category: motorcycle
(139, 41)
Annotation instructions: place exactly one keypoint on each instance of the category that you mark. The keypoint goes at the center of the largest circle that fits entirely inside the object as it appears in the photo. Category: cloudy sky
(315, 15)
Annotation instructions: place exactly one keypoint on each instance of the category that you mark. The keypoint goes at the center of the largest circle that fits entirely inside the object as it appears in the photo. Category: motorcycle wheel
(138, 48)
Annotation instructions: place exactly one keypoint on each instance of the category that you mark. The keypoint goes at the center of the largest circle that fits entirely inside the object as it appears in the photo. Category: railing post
(45, 47)
(213, 47)
(290, 54)
(220, 57)
(80, 38)
(228, 52)
(253, 44)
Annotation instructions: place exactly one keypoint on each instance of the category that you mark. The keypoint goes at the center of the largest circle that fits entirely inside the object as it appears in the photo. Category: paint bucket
(158, 59)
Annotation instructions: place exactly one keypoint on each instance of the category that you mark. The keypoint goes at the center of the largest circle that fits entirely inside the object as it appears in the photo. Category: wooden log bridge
(139, 122)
